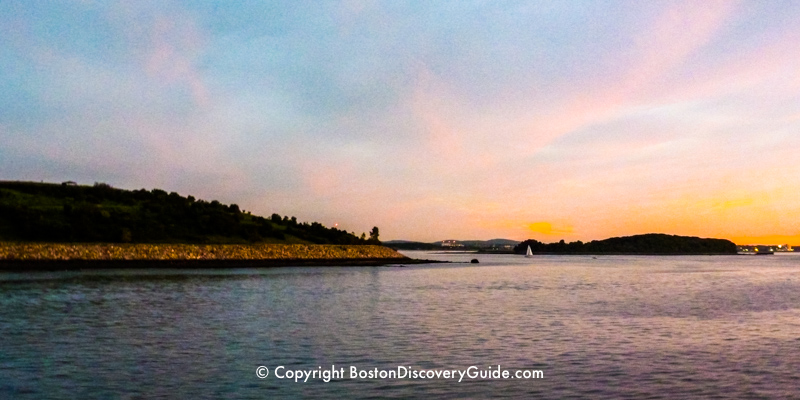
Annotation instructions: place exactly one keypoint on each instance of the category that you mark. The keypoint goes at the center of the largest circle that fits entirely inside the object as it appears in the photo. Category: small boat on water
(529, 254)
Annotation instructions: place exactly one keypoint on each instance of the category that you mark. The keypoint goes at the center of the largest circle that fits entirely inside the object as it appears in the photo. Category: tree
(374, 233)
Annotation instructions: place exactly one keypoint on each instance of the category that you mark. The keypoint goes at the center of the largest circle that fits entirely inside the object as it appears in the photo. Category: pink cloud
(768, 70)
(679, 32)
(676, 34)
(165, 41)
(486, 136)
(172, 49)
(433, 104)
(327, 178)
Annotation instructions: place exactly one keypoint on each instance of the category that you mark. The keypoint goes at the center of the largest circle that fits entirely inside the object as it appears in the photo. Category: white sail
(529, 253)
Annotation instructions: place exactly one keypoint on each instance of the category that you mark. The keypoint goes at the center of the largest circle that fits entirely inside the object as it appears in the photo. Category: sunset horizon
(547, 120)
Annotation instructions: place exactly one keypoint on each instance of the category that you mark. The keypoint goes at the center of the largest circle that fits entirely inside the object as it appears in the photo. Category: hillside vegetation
(47, 212)
(651, 243)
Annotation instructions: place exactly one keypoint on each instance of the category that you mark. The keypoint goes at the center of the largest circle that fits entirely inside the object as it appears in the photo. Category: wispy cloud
(166, 41)
(174, 44)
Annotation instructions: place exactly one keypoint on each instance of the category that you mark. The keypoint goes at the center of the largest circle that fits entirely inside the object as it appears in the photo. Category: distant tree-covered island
(651, 243)
(66, 212)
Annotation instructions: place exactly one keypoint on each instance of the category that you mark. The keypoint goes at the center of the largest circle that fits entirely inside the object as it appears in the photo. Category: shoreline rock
(162, 252)
(67, 265)
(77, 256)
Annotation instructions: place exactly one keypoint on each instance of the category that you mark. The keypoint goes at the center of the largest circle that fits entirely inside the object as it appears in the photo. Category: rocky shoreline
(59, 256)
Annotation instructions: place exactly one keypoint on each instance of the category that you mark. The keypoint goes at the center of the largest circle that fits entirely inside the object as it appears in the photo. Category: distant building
(69, 183)
(764, 248)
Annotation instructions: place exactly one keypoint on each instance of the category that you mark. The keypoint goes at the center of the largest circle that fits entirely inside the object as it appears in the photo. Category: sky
(432, 120)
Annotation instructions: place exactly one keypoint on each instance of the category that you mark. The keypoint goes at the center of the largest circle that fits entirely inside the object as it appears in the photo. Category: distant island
(70, 213)
(651, 243)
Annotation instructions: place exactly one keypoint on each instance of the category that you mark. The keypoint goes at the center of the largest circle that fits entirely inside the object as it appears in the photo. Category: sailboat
(529, 254)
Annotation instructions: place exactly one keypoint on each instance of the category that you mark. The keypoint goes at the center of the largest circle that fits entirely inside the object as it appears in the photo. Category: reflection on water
(618, 327)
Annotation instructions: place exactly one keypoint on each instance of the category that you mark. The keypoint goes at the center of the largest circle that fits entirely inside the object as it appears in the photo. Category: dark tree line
(100, 213)
(651, 243)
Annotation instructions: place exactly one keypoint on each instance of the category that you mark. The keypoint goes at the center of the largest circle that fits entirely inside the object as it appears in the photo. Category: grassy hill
(48, 212)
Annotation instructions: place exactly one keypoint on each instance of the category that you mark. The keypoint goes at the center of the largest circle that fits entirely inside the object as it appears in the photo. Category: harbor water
(594, 327)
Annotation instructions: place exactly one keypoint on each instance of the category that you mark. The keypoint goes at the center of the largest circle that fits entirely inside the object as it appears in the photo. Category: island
(646, 244)
(70, 226)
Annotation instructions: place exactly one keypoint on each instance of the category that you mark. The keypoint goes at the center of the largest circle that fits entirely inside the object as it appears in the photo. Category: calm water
(613, 327)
